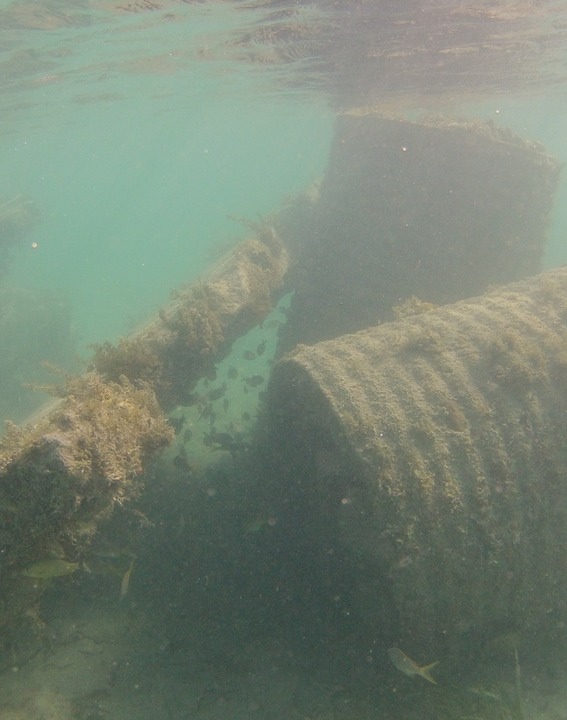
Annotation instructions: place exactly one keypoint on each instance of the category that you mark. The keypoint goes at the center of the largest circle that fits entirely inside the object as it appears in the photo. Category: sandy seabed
(110, 661)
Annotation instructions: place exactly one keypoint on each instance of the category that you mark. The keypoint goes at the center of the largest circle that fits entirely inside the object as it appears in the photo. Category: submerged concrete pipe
(435, 447)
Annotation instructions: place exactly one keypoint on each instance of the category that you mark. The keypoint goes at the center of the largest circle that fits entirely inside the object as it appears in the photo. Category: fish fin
(425, 672)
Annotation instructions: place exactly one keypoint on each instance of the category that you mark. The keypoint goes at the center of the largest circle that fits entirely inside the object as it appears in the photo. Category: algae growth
(60, 477)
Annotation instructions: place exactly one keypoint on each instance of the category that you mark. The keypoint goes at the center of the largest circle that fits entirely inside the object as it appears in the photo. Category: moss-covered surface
(437, 446)
(61, 477)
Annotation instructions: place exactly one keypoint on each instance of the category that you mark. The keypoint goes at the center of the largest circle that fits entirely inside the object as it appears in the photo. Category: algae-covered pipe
(436, 446)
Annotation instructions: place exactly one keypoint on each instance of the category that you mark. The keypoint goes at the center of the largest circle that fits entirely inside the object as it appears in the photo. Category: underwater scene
(283, 360)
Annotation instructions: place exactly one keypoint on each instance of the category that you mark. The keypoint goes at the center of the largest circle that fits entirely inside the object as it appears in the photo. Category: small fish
(261, 347)
(248, 355)
(187, 435)
(483, 692)
(217, 393)
(232, 373)
(206, 412)
(225, 405)
(124, 585)
(409, 667)
(211, 373)
(254, 380)
(50, 568)
(181, 463)
(225, 440)
(246, 416)
(177, 423)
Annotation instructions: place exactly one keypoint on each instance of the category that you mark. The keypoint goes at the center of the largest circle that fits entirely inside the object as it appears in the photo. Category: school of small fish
(213, 403)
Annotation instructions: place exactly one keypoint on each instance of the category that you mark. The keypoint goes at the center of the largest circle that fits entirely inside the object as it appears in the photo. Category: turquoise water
(146, 141)
(138, 154)
(136, 202)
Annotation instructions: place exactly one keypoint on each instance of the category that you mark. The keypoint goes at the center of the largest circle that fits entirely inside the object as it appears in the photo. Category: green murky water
(145, 138)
